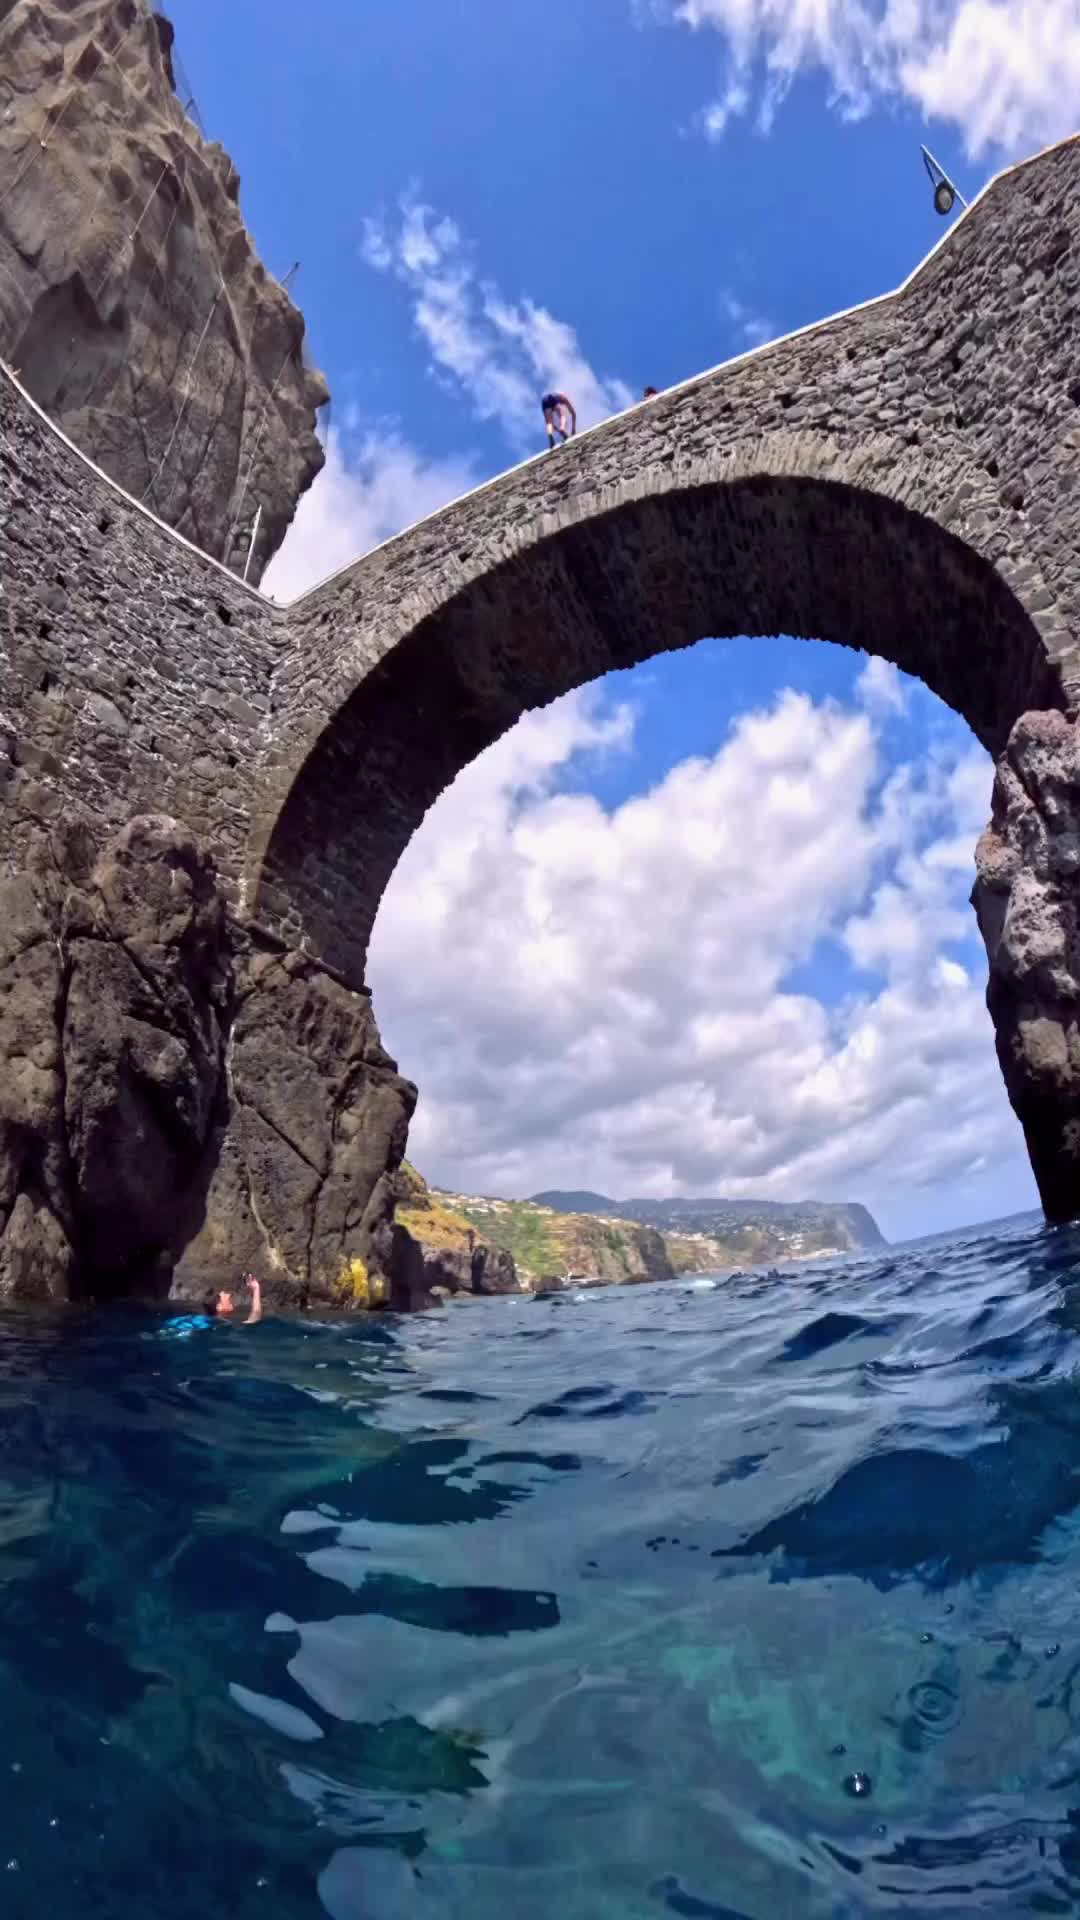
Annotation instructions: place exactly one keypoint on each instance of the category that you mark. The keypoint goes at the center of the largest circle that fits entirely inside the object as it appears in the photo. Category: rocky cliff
(438, 1250)
(132, 302)
(177, 1104)
(547, 1245)
(1027, 899)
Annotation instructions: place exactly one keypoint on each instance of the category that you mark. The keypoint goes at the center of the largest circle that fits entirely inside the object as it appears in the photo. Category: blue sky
(561, 140)
(483, 195)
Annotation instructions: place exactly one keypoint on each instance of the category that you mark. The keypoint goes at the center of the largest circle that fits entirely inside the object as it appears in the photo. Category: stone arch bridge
(903, 478)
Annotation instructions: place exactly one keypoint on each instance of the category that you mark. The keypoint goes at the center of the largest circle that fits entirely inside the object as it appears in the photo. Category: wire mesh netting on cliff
(133, 306)
(185, 93)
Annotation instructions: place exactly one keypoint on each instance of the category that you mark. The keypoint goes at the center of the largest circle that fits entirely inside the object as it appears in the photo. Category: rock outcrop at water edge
(438, 1251)
(1027, 898)
(176, 1104)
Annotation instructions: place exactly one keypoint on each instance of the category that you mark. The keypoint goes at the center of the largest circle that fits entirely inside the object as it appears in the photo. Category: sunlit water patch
(741, 1601)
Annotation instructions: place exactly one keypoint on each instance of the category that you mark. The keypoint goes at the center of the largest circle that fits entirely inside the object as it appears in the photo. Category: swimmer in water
(219, 1305)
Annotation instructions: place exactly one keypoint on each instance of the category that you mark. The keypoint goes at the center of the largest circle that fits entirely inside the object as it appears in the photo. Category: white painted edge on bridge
(683, 386)
(129, 499)
(695, 379)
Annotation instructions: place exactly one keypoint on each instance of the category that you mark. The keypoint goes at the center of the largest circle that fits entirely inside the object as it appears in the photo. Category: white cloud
(750, 329)
(599, 997)
(881, 688)
(1005, 72)
(503, 354)
(356, 502)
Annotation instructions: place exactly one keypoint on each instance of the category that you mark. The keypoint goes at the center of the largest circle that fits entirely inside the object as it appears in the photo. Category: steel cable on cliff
(53, 119)
(154, 267)
(96, 292)
(185, 92)
(154, 264)
(129, 238)
(147, 204)
(134, 234)
(199, 210)
(167, 166)
(156, 476)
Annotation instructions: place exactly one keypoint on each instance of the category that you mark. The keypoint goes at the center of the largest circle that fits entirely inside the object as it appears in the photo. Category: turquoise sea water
(743, 1602)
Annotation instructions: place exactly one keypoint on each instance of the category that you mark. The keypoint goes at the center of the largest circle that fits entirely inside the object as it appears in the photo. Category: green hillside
(553, 1242)
(544, 1242)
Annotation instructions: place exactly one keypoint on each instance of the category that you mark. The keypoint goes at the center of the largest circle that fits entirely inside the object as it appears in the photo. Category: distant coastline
(475, 1243)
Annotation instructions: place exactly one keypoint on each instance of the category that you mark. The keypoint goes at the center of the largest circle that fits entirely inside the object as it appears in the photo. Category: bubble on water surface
(934, 1705)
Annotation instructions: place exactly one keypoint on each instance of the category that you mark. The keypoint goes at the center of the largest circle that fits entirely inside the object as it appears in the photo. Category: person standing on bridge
(557, 410)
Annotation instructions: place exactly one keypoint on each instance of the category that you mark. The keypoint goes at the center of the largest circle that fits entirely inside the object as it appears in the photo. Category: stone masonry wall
(135, 674)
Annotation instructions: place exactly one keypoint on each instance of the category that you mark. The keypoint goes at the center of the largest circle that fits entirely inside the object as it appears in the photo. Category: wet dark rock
(313, 1125)
(113, 984)
(1027, 898)
(481, 1268)
(143, 1040)
(176, 1106)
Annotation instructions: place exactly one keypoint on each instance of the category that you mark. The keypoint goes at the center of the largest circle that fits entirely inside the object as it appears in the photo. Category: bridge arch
(792, 538)
(901, 477)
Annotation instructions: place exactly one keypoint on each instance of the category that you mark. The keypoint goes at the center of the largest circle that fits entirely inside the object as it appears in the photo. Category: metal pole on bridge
(945, 190)
(251, 542)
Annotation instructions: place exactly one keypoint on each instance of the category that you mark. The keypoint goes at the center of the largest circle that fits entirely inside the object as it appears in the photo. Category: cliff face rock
(174, 1106)
(311, 1131)
(437, 1247)
(621, 1254)
(132, 302)
(1027, 898)
(112, 1035)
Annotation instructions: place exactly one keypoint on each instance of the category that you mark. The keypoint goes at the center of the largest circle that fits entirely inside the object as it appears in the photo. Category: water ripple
(593, 1609)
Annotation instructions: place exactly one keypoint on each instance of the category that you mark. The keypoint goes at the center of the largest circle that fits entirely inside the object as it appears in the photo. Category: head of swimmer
(221, 1302)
